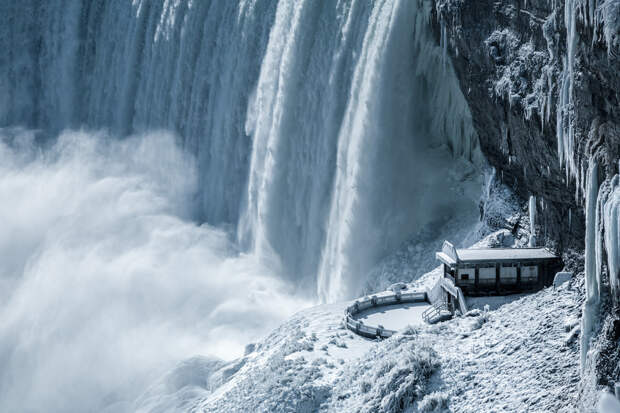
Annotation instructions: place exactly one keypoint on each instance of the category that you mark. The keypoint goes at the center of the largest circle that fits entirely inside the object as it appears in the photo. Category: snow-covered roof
(495, 255)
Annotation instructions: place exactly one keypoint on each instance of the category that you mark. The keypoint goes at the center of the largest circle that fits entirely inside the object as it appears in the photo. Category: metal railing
(434, 312)
(377, 301)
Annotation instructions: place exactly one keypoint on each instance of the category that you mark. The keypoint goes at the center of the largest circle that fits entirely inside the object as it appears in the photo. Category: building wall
(529, 274)
(486, 276)
(508, 274)
(466, 276)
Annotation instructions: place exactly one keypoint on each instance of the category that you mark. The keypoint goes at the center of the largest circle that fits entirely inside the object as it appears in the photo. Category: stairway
(437, 312)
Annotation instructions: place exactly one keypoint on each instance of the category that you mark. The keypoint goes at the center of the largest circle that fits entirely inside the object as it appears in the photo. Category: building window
(464, 276)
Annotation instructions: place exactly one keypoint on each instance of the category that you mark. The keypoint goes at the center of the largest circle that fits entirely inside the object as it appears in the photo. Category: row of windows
(489, 272)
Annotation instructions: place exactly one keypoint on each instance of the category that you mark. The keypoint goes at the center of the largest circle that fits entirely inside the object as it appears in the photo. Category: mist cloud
(106, 281)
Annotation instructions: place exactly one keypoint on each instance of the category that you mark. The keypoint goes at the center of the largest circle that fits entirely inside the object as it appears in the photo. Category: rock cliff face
(542, 80)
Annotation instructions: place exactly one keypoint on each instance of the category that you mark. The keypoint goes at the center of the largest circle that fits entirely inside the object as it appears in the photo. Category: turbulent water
(247, 156)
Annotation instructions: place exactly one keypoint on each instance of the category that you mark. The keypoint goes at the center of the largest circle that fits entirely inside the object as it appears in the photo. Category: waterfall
(133, 66)
(318, 126)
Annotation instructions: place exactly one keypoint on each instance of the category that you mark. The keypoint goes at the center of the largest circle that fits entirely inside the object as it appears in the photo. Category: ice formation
(564, 127)
(608, 234)
(590, 307)
(533, 221)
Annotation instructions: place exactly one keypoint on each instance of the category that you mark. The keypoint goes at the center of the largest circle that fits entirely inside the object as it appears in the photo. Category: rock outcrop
(542, 80)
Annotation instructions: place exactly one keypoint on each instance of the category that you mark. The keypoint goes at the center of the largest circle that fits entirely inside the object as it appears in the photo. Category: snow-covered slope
(513, 353)
(521, 356)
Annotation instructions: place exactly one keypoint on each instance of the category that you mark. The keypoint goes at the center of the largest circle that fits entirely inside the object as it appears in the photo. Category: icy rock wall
(541, 79)
(312, 122)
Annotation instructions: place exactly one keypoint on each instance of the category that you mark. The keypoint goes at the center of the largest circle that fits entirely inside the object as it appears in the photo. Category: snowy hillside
(521, 355)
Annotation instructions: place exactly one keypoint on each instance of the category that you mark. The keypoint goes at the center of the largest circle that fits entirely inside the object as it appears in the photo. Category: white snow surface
(476, 254)
(394, 317)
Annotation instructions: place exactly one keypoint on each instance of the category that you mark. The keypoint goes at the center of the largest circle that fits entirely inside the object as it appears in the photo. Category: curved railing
(378, 300)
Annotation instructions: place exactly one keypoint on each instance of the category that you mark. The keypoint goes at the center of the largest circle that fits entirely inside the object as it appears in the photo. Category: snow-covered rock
(561, 278)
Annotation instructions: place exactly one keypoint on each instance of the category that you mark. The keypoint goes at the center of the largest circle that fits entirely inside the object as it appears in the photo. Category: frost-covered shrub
(298, 342)
(436, 401)
(410, 331)
(283, 385)
(389, 378)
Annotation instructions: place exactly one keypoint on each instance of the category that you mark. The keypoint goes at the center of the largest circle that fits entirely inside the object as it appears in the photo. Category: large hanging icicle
(533, 219)
(564, 126)
(610, 211)
(591, 305)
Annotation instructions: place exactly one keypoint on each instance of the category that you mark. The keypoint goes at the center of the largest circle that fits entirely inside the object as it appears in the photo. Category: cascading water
(301, 98)
(321, 134)
(185, 66)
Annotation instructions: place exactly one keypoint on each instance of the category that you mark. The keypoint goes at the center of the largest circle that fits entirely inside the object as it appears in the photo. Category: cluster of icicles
(602, 200)
(602, 237)
(602, 18)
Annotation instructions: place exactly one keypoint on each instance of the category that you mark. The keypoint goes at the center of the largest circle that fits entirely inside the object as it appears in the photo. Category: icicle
(564, 126)
(600, 203)
(590, 307)
(611, 222)
(504, 130)
(570, 218)
(533, 217)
